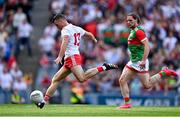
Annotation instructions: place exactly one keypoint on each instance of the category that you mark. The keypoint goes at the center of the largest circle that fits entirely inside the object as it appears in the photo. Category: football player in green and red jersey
(138, 46)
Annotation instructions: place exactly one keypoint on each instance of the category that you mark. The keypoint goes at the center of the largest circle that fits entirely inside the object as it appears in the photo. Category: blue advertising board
(135, 100)
(138, 100)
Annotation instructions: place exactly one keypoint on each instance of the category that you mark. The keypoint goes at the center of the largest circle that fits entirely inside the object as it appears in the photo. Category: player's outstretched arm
(64, 44)
(90, 36)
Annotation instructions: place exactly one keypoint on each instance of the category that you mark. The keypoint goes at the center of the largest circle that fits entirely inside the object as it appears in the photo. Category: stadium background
(29, 44)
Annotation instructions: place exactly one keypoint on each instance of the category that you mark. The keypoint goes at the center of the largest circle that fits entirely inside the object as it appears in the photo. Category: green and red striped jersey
(135, 45)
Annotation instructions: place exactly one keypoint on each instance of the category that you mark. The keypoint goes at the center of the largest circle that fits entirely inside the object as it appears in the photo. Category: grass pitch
(85, 111)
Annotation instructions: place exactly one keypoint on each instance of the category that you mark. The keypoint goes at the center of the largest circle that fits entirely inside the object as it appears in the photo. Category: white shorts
(136, 67)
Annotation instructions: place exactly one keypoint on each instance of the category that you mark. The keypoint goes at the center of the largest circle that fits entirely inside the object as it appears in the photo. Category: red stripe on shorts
(72, 61)
(136, 70)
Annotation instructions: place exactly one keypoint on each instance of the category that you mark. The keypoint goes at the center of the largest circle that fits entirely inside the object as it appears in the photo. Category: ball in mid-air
(36, 96)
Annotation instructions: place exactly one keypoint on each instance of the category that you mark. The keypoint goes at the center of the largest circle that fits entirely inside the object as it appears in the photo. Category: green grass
(85, 110)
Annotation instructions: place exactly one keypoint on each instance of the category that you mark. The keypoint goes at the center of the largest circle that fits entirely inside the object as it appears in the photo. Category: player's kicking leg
(83, 76)
(61, 74)
(79, 74)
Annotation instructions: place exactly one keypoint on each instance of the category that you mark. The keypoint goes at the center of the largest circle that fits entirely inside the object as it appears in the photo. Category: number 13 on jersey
(76, 39)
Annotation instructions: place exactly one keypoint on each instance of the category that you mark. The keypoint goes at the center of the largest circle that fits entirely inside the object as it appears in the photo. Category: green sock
(162, 74)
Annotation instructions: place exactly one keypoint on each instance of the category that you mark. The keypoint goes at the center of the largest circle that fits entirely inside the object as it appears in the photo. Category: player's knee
(81, 80)
(147, 87)
(122, 80)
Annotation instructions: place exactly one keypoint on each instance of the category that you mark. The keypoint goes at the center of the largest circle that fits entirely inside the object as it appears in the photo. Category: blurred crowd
(15, 33)
(106, 20)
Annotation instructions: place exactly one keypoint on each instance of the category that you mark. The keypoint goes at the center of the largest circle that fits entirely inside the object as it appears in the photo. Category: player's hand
(95, 41)
(142, 64)
(58, 60)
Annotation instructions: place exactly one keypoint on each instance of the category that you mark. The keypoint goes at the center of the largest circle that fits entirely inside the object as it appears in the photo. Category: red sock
(126, 100)
(100, 69)
(46, 98)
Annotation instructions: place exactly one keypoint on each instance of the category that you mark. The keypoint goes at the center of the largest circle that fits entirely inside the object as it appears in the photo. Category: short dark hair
(58, 16)
(135, 16)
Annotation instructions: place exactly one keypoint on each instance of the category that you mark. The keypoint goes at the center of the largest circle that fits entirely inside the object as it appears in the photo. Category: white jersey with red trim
(75, 33)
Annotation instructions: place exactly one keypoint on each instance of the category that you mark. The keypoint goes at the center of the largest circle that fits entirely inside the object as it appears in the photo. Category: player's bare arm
(90, 36)
(146, 51)
(62, 50)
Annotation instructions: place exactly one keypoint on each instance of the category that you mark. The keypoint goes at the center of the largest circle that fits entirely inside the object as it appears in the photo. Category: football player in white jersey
(71, 36)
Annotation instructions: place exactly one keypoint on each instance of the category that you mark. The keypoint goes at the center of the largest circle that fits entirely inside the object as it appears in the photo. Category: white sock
(104, 68)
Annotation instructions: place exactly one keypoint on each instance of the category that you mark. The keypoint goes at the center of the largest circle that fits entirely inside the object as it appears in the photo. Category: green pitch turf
(85, 111)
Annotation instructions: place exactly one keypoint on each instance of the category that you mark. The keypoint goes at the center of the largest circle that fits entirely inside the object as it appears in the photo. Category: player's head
(59, 20)
(132, 20)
